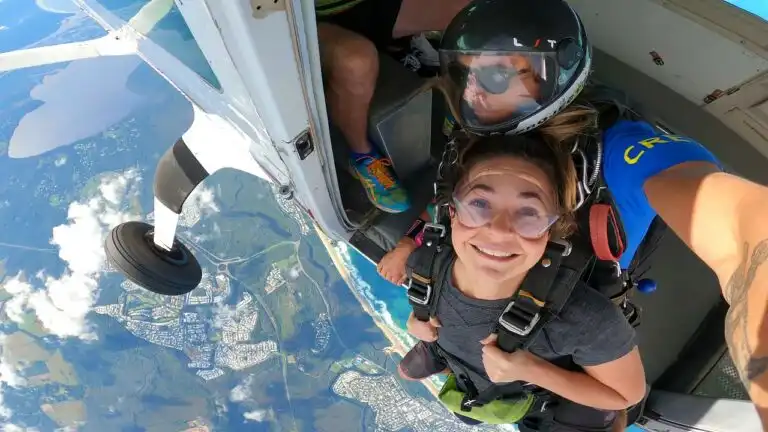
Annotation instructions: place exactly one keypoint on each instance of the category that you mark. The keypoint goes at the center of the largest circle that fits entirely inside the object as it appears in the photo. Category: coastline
(398, 345)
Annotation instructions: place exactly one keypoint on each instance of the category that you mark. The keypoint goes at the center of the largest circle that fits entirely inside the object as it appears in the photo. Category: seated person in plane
(350, 34)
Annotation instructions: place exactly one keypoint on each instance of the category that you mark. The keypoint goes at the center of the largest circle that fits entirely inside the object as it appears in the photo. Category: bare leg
(405, 376)
(417, 16)
(351, 65)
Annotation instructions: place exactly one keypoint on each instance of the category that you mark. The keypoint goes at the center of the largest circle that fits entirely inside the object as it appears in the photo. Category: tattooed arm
(724, 220)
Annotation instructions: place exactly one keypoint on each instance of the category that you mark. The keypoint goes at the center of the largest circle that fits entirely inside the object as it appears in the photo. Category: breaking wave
(364, 288)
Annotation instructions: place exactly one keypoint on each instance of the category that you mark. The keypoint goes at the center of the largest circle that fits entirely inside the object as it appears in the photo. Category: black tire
(129, 247)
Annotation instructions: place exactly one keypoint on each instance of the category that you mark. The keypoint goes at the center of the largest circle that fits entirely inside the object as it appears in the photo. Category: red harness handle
(601, 219)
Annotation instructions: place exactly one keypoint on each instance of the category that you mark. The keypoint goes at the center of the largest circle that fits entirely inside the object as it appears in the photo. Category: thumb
(434, 322)
(490, 339)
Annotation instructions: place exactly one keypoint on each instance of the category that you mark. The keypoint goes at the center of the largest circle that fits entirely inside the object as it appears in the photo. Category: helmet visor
(489, 90)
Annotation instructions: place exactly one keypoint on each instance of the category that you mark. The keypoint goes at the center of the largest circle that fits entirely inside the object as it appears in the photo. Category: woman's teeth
(494, 253)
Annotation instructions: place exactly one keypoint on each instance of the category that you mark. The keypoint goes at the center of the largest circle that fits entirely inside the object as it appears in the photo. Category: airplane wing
(115, 43)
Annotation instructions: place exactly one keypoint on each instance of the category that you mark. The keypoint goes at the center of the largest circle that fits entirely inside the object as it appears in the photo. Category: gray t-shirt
(590, 330)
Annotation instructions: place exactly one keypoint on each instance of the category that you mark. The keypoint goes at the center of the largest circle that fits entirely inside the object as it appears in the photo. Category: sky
(757, 7)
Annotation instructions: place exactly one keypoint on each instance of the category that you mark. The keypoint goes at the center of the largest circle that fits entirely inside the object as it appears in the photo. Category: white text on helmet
(536, 44)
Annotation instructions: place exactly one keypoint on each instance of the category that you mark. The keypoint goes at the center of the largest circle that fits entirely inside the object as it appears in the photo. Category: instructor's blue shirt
(635, 151)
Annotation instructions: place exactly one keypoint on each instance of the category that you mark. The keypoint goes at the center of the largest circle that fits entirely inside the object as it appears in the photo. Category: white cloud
(256, 415)
(63, 302)
(201, 202)
(9, 377)
(294, 273)
(203, 198)
(242, 391)
(10, 427)
(20, 291)
(2, 27)
(5, 412)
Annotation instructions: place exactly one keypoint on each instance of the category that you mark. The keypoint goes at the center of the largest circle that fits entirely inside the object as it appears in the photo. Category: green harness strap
(499, 411)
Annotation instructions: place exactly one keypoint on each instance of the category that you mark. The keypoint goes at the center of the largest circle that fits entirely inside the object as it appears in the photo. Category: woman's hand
(504, 367)
(423, 330)
(615, 385)
(392, 266)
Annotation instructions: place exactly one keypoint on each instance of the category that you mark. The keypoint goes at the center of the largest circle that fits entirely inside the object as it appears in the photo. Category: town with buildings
(322, 333)
(275, 279)
(180, 324)
(394, 408)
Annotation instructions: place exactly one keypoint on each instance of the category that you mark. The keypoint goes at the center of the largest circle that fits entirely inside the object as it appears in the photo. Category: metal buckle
(467, 403)
(566, 244)
(430, 228)
(417, 300)
(525, 331)
(436, 227)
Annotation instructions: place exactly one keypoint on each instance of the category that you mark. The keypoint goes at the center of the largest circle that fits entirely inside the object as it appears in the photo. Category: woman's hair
(548, 156)
(568, 125)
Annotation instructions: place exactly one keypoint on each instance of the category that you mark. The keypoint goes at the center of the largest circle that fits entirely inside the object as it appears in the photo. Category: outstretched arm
(392, 265)
(724, 220)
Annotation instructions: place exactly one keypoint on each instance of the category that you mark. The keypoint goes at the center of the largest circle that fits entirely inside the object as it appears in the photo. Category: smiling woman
(511, 201)
(504, 203)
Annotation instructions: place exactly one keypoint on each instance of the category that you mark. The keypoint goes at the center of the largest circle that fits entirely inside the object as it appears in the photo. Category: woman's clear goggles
(527, 221)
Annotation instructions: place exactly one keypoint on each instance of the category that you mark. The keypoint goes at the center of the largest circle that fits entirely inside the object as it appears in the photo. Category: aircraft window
(162, 22)
(755, 7)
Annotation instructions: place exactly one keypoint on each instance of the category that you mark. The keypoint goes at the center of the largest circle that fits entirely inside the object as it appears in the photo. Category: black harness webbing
(543, 294)
(422, 284)
(545, 291)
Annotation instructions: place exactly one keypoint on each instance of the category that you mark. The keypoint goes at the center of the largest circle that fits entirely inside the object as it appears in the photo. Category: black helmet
(507, 66)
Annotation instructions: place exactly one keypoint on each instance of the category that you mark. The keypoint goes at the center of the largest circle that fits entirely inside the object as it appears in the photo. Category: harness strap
(421, 286)
(532, 306)
(514, 332)
(602, 223)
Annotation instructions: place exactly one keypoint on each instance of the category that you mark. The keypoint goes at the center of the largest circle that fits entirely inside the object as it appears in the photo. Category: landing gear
(131, 248)
(152, 256)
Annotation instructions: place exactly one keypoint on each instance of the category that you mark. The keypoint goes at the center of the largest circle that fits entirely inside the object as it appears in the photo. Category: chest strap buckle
(518, 321)
(419, 293)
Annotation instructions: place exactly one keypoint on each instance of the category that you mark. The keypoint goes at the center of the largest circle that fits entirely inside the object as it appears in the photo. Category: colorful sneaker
(376, 174)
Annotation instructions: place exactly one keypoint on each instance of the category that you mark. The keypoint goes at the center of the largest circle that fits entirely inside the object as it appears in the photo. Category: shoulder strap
(422, 286)
(544, 292)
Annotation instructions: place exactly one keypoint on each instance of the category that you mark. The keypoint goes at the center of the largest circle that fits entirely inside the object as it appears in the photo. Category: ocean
(387, 299)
